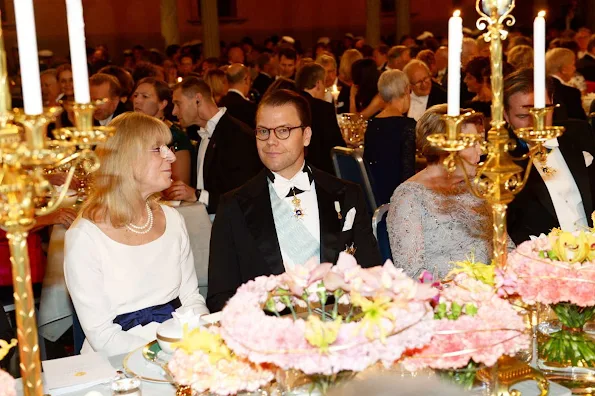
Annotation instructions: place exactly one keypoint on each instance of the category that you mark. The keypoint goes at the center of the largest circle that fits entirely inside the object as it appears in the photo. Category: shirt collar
(107, 120)
(420, 99)
(266, 74)
(212, 123)
(238, 92)
(550, 144)
(305, 169)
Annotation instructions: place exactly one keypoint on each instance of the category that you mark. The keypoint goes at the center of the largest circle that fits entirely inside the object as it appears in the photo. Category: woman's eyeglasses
(165, 152)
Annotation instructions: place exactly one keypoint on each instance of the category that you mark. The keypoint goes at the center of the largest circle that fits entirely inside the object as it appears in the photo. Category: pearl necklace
(145, 227)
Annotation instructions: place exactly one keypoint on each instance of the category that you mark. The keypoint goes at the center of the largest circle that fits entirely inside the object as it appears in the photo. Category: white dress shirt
(417, 106)
(328, 96)
(238, 92)
(107, 120)
(106, 278)
(311, 219)
(563, 190)
(205, 138)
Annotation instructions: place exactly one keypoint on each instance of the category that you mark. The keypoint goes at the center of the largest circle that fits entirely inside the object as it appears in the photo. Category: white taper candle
(78, 50)
(455, 46)
(539, 60)
(27, 40)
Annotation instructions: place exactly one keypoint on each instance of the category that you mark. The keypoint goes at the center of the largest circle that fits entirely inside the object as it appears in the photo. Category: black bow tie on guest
(294, 190)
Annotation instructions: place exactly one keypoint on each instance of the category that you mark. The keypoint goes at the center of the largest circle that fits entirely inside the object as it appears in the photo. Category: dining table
(55, 314)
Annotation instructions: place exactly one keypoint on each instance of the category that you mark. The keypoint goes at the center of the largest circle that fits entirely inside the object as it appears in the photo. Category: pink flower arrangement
(538, 276)
(395, 317)
(207, 366)
(7, 384)
(473, 324)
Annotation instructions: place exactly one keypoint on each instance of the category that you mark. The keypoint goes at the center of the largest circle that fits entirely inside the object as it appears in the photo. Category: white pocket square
(349, 218)
(588, 158)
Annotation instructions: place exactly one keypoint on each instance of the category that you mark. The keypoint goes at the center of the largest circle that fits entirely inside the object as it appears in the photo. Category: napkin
(74, 373)
(186, 316)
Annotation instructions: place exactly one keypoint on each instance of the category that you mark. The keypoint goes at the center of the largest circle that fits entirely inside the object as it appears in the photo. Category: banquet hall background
(172, 40)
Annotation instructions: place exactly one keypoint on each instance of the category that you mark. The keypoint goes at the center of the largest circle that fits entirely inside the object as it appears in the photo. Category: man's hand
(63, 216)
(180, 191)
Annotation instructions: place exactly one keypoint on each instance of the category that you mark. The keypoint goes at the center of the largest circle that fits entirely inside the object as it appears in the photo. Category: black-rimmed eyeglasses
(281, 132)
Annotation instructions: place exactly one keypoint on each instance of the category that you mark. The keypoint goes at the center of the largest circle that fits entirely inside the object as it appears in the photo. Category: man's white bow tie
(203, 133)
(283, 186)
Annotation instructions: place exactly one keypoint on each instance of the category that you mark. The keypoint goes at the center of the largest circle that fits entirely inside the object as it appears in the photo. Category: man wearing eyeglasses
(290, 213)
(425, 93)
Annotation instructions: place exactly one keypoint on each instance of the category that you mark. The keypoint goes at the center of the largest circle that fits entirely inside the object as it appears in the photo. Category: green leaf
(456, 309)
(470, 309)
(552, 255)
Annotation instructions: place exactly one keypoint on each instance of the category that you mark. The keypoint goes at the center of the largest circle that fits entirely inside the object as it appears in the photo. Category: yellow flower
(591, 243)
(571, 248)
(200, 339)
(478, 271)
(322, 334)
(373, 311)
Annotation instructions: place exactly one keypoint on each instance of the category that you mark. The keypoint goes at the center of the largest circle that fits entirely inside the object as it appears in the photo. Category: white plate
(135, 364)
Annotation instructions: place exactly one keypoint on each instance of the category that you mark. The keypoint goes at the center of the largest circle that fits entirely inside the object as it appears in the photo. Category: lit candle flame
(457, 13)
(541, 14)
(179, 79)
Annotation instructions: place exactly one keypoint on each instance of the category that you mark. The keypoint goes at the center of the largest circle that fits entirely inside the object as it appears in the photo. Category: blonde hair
(431, 122)
(521, 57)
(115, 187)
(216, 80)
(347, 60)
(556, 59)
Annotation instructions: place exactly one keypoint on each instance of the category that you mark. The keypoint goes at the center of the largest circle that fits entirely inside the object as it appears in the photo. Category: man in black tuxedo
(561, 188)
(561, 66)
(266, 73)
(586, 65)
(326, 133)
(425, 93)
(236, 100)
(106, 86)
(289, 213)
(287, 63)
(226, 155)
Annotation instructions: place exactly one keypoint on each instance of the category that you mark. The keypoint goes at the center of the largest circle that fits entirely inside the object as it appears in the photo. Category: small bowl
(168, 333)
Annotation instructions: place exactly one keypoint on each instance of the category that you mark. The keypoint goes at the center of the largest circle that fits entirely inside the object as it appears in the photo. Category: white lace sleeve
(405, 229)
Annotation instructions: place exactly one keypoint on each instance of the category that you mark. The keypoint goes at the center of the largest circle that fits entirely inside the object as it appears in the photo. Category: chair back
(349, 165)
(381, 231)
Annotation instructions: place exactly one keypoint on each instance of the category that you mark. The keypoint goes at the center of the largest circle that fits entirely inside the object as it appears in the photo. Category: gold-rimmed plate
(135, 363)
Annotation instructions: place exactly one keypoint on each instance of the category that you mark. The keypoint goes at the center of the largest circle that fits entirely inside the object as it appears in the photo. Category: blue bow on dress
(157, 313)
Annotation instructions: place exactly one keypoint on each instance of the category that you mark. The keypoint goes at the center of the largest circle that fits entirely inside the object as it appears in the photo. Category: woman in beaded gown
(434, 220)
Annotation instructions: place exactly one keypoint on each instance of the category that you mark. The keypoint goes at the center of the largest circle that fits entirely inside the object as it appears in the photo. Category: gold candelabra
(499, 178)
(22, 185)
(24, 158)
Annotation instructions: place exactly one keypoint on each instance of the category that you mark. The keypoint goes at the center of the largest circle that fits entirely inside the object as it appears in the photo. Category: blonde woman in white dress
(128, 263)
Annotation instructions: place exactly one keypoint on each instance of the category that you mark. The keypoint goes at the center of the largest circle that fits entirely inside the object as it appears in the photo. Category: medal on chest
(541, 162)
(298, 212)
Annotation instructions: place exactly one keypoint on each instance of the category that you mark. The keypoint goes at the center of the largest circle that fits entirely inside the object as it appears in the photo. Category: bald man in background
(236, 100)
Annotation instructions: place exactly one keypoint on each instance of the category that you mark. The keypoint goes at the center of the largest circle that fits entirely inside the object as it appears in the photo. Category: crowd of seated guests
(209, 108)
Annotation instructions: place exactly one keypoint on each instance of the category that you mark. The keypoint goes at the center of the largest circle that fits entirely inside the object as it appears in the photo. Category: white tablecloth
(528, 388)
(148, 388)
(55, 310)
